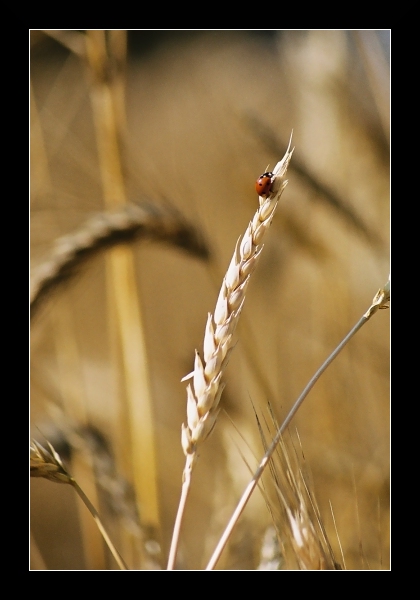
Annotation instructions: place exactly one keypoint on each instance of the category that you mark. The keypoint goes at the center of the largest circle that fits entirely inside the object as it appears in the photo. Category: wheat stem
(118, 558)
(186, 484)
(205, 389)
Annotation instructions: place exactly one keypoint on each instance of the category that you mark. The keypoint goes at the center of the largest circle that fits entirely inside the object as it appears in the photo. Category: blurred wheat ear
(48, 464)
(106, 230)
(302, 541)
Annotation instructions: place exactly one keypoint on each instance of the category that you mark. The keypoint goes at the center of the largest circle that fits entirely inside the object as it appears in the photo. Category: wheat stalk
(204, 392)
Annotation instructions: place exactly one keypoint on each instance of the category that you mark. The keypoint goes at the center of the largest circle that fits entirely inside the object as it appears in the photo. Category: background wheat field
(145, 148)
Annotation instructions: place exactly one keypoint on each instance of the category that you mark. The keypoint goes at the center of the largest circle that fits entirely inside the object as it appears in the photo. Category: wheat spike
(47, 464)
(205, 390)
(203, 393)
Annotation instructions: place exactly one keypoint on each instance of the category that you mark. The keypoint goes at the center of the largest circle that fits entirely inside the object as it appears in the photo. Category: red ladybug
(263, 184)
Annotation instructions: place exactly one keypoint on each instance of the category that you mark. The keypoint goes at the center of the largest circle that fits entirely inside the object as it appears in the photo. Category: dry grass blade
(301, 540)
(300, 514)
(105, 230)
(204, 392)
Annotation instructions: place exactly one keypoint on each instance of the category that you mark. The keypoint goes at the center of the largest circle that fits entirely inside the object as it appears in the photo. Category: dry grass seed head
(48, 464)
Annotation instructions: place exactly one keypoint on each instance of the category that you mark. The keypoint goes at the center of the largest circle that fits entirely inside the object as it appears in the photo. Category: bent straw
(380, 301)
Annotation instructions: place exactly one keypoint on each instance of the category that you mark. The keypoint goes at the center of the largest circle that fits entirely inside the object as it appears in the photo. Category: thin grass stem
(380, 300)
(338, 537)
(186, 485)
(118, 558)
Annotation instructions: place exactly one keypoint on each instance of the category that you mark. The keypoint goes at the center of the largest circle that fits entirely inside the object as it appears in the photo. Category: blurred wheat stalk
(104, 55)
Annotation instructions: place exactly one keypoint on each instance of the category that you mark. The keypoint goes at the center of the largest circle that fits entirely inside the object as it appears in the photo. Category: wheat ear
(146, 220)
(48, 464)
(204, 392)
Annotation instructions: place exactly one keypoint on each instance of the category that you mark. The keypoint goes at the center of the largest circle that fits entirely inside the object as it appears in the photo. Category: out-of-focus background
(182, 123)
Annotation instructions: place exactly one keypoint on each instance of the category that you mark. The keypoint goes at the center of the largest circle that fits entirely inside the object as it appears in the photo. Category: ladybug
(264, 183)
